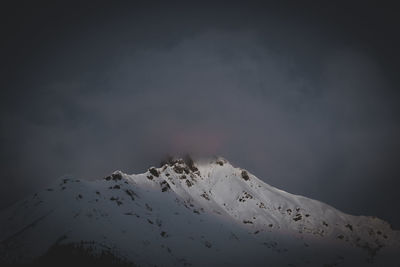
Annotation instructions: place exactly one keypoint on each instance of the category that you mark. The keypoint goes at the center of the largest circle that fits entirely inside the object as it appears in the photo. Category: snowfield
(187, 213)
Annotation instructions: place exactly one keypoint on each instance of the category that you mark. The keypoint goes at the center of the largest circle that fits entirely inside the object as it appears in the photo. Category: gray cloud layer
(301, 112)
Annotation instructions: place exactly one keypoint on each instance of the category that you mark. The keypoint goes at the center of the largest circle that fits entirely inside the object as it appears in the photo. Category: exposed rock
(245, 175)
(154, 172)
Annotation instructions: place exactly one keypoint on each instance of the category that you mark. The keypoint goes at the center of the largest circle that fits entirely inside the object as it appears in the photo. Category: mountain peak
(206, 205)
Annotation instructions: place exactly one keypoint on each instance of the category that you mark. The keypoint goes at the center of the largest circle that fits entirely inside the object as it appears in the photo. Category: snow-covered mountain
(206, 213)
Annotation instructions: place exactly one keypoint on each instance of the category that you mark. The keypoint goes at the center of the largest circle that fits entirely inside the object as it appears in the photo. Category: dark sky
(302, 94)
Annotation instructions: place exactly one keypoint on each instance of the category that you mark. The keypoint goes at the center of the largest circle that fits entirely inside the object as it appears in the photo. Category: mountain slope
(193, 214)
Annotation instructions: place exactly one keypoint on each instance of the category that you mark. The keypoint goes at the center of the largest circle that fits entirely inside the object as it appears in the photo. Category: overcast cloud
(302, 105)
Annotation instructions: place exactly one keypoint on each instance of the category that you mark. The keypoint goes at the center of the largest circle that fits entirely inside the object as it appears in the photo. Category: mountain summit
(185, 213)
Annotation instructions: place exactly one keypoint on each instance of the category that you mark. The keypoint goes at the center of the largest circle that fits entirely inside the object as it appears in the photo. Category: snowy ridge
(206, 213)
